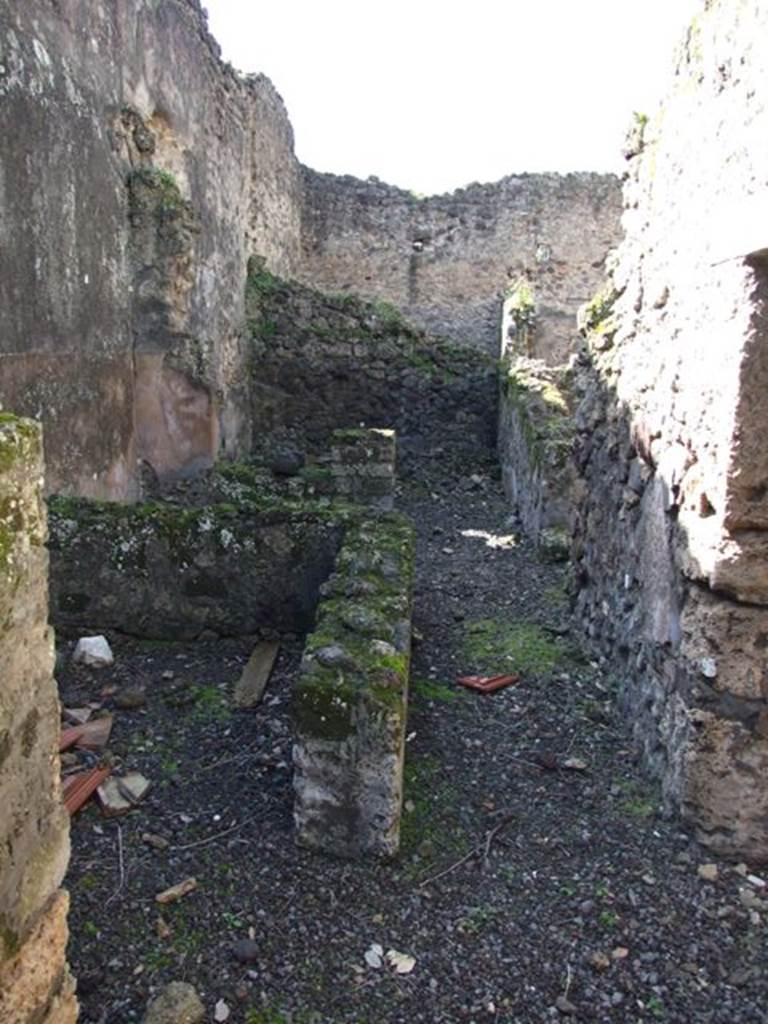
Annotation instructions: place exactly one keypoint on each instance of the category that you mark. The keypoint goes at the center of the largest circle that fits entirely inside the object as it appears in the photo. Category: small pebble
(708, 872)
(245, 951)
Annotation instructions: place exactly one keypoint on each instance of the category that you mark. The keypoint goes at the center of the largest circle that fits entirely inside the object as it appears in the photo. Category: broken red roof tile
(79, 787)
(487, 684)
(92, 735)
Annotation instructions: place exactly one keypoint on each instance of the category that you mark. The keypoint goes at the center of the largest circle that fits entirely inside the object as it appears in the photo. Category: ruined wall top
(447, 260)
(147, 174)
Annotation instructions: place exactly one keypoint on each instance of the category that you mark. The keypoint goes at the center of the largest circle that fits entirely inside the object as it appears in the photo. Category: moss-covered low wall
(350, 702)
(163, 570)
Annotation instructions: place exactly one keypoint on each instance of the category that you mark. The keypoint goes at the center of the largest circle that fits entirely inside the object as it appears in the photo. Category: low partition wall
(166, 571)
(350, 704)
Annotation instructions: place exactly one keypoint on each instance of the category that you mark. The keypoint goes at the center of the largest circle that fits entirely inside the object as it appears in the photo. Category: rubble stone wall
(165, 571)
(362, 466)
(446, 261)
(671, 538)
(326, 362)
(535, 448)
(352, 694)
(137, 174)
(35, 985)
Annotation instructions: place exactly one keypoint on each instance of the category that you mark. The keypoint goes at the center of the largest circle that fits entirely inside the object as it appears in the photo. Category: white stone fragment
(708, 667)
(93, 651)
(374, 956)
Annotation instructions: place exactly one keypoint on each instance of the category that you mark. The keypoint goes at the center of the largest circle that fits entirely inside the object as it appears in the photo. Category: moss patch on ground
(429, 828)
(493, 647)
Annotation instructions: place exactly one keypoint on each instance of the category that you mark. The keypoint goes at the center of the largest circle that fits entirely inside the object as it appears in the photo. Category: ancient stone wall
(137, 174)
(534, 445)
(323, 362)
(671, 534)
(446, 261)
(351, 697)
(35, 986)
(148, 172)
(162, 570)
(362, 467)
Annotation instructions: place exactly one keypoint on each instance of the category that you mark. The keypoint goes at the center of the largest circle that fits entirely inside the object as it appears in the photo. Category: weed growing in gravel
(233, 920)
(157, 959)
(608, 918)
(430, 690)
(494, 646)
(270, 1015)
(595, 711)
(170, 766)
(640, 808)
(477, 918)
(428, 827)
(656, 1007)
(209, 703)
(639, 803)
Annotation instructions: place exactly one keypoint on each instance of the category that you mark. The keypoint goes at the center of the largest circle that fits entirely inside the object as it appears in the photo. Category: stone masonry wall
(162, 570)
(35, 986)
(146, 174)
(137, 174)
(671, 535)
(362, 467)
(325, 362)
(351, 697)
(535, 449)
(446, 261)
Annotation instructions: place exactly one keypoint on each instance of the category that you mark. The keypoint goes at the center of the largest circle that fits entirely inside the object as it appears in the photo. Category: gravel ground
(537, 879)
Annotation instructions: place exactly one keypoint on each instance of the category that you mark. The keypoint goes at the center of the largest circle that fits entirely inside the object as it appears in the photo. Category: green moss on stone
(596, 316)
(20, 453)
(368, 667)
(543, 414)
(20, 441)
(10, 941)
(154, 190)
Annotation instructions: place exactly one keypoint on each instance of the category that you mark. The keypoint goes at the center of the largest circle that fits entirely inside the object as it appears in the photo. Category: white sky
(432, 95)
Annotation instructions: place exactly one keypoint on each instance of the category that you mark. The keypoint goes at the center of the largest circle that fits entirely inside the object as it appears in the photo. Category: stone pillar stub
(35, 985)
